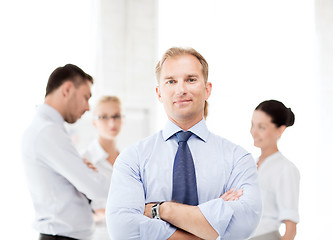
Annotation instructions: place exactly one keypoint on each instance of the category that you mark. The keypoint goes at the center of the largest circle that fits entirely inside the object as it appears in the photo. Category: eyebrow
(188, 75)
(193, 75)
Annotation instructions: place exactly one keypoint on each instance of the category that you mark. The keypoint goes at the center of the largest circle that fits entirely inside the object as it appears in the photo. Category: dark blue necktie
(184, 186)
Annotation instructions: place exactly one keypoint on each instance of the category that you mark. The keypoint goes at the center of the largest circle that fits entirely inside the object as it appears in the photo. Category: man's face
(77, 103)
(182, 88)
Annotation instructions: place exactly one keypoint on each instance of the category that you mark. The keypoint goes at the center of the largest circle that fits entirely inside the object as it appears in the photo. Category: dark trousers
(56, 237)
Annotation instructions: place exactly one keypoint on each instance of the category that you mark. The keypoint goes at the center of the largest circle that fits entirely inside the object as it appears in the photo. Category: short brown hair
(178, 51)
(206, 110)
(69, 72)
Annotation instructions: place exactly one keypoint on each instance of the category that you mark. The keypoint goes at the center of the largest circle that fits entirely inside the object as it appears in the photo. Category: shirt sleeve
(287, 193)
(237, 219)
(55, 149)
(98, 204)
(126, 203)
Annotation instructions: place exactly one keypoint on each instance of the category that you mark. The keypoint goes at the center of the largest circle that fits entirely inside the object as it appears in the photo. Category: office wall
(323, 162)
(125, 37)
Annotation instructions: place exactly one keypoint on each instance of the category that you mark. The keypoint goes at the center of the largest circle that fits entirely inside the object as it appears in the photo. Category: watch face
(153, 212)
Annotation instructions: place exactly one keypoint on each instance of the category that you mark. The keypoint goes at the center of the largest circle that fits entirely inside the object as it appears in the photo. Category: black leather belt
(54, 237)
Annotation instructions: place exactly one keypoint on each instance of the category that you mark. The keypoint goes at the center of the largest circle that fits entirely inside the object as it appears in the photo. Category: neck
(51, 101)
(109, 146)
(186, 124)
(266, 152)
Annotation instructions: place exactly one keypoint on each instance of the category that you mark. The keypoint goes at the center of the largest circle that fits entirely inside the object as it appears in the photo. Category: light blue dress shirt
(58, 179)
(143, 174)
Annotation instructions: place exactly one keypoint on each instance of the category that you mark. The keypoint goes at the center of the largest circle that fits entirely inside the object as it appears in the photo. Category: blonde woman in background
(278, 177)
(103, 151)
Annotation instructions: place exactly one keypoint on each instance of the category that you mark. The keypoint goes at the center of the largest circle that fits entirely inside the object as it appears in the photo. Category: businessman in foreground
(179, 182)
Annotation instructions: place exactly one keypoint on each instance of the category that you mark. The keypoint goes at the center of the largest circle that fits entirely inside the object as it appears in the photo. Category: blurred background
(257, 50)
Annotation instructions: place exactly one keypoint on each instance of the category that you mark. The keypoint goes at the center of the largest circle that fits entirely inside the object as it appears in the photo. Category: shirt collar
(51, 113)
(97, 152)
(200, 130)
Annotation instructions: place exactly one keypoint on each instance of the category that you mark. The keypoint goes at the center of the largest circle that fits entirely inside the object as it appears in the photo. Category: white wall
(323, 162)
(125, 38)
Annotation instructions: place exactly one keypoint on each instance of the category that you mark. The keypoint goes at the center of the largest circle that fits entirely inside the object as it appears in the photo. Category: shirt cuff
(291, 215)
(156, 229)
(218, 214)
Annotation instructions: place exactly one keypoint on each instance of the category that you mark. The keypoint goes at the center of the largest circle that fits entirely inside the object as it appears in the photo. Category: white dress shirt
(279, 184)
(58, 179)
(143, 173)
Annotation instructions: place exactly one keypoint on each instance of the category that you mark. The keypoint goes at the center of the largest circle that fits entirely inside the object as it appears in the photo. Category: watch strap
(155, 210)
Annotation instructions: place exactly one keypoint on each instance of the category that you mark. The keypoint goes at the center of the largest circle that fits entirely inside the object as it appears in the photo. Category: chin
(110, 137)
(70, 121)
(257, 145)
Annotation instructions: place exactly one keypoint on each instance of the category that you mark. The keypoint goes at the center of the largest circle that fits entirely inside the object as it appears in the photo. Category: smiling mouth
(182, 101)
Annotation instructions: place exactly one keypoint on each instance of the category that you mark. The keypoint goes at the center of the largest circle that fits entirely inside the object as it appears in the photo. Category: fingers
(232, 195)
(90, 165)
(227, 193)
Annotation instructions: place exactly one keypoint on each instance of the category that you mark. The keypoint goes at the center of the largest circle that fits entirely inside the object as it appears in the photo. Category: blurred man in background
(59, 181)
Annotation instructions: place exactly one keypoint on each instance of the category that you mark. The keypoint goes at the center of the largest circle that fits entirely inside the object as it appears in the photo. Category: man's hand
(90, 165)
(99, 215)
(148, 209)
(232, 195)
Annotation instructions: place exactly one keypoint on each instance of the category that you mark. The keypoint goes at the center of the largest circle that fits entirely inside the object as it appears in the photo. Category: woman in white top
(102, 152)
(278, 177)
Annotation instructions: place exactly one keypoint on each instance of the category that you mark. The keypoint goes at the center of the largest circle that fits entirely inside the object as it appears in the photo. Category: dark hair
(278, 112)
(69, 72)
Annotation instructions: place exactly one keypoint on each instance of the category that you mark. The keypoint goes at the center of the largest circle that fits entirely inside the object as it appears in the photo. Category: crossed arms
(215, 218)
(190, 222)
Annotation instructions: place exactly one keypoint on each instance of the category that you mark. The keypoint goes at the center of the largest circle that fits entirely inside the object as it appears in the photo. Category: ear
(66, 88)
(158, 93)
(281, 130)
(208, 90)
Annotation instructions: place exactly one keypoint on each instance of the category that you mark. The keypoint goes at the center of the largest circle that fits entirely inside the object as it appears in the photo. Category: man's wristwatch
(155, 210)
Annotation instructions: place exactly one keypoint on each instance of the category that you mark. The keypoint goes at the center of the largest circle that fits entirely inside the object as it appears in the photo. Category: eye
(117, 116)
(104, 117)
(171, 82)
(191, 80)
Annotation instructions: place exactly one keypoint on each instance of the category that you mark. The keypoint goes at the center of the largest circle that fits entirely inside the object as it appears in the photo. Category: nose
(253, 131)
(111, 121)
(87, 107)
(181, 88)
